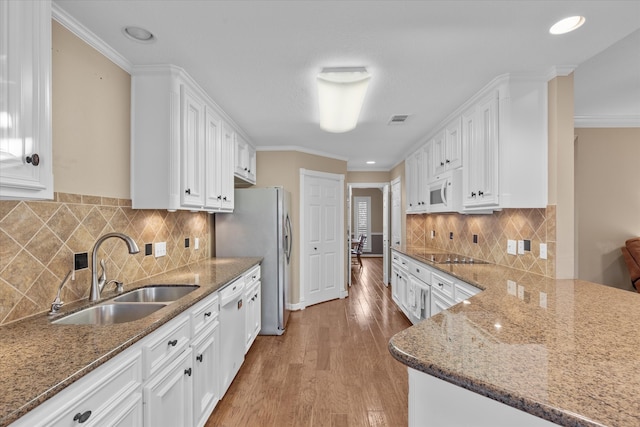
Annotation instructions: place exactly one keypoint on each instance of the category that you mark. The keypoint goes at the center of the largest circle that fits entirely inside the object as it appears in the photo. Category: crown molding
(73, 25)
(301, 150)
(632, 121)
(560, 71)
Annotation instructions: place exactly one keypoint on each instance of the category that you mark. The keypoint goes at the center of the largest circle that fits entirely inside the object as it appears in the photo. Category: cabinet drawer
(420, 271)
(253, 275)
(95, 396)
(168, 342)
(403, 262)
(204, 314)
(464, 291)
(443, 284)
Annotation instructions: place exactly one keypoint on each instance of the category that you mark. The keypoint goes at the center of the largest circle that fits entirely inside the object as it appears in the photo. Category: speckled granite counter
(574, 361)
(38, 359)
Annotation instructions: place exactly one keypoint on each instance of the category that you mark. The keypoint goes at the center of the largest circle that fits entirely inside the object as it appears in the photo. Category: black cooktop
(452, 259)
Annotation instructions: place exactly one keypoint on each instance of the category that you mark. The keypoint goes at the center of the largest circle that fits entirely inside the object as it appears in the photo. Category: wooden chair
(356, 251)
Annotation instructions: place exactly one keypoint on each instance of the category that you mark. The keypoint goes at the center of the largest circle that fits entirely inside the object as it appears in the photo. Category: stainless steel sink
(157, 293)
(107, 314)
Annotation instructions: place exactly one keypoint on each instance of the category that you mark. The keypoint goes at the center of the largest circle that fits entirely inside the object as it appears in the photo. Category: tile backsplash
(493, 231)
(38, 240)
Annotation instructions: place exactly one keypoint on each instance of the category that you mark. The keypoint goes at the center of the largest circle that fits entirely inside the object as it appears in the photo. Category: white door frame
(302, 242)
(385, 254)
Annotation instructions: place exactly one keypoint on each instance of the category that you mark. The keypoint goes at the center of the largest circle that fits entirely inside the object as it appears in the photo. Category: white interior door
(385, 234)
(322, 237)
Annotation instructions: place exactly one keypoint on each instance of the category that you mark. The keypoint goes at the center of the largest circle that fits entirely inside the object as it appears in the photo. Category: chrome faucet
(97, 285)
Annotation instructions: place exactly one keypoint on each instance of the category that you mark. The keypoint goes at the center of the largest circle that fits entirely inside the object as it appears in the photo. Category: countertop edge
(521, 403)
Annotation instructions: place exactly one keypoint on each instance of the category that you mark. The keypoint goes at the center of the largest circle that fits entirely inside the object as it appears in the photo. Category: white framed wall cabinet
(182, 147)
(26, 157)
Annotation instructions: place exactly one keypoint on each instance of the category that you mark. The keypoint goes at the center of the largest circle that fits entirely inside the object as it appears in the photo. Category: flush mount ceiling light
(567, 25)
(138, 34)
(341, 93)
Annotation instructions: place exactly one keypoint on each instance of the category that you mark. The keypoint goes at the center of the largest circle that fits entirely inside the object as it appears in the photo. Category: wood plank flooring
(330, 368)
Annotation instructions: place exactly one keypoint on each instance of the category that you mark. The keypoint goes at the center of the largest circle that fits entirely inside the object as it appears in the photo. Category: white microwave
(445, 192)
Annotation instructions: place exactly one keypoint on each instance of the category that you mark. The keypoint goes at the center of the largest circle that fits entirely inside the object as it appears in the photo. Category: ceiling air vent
(398, 119)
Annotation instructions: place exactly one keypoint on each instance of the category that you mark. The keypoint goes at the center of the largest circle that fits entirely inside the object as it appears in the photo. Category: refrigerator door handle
(288, 238)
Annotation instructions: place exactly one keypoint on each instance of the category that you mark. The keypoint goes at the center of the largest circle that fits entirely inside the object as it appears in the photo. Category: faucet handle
(119, 285)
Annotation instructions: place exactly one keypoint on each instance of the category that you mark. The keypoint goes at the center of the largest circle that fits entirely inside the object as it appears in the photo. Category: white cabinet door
(168, 395)
(26, 159)
(192, 148)
(251, 173)
(241, 157)
(206, 374)
(127, 414)
(453, 144)
(253, 323)
(480, 134)
(213, 156)
(438, 155)
(396, 208)
(227, 162)
(416, 183)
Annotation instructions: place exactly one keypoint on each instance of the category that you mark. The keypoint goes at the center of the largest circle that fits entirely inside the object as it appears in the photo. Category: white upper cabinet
(182, 146)
(505, 145)
(480, 175)
(499, 139)
(446, 149)
(26, 169)
(416, 181)
(245, 160)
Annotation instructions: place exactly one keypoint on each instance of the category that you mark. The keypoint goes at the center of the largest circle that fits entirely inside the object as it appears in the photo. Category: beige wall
(607, 202)
(91, 119)
(561, 174)
(367, 177)
(282, 168)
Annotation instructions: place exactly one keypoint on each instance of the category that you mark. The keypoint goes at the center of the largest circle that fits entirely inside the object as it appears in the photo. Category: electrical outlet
(161, 249)
(527, 245)
(451, 235)
(80, 261)
(543, 251)
(520, 247)
(511, 247)
(148, 249)
(196, 243)
(186, 242)
(475, 239)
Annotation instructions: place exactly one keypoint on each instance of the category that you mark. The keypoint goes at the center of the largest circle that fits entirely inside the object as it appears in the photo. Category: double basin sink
(133, 305)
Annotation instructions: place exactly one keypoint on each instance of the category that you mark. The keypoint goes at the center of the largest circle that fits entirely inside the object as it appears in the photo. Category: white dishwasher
(232, 329)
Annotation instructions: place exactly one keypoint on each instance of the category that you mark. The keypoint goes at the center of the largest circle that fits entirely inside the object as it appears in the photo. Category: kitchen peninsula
(562, 350)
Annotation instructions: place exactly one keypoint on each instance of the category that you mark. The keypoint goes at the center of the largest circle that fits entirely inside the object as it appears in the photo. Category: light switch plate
(160, 249)
(511, 247)
(520, 247)
(196, 243)
(511, 287)
(543, 251)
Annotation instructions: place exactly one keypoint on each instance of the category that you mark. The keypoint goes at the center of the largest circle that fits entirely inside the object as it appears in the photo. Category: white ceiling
(259, 59)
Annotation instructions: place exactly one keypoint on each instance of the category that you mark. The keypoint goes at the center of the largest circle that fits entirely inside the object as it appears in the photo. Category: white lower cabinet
(108, 396)
(422, 291)
(206, 374)
(167, 396)
(253, 299)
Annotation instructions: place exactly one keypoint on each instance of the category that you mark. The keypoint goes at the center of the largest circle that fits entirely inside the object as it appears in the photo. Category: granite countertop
(38, 359)
(563, 350)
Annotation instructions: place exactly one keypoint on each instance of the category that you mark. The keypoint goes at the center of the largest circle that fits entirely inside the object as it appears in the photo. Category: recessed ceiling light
(138, 34)
(371, 162)
(567, 25)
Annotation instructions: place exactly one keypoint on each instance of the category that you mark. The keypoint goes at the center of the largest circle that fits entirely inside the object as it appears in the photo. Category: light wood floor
(330, 368)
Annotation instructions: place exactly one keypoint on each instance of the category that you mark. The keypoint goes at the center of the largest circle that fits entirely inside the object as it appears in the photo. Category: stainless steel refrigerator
(260, 226)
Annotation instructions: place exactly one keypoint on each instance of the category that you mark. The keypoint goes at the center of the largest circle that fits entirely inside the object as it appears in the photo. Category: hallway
(330, 368)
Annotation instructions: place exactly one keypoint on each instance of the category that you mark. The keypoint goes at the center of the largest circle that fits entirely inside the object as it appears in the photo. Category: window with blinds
(362, 219)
